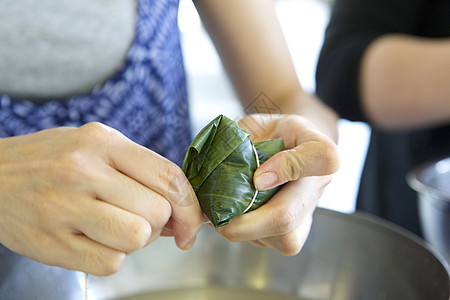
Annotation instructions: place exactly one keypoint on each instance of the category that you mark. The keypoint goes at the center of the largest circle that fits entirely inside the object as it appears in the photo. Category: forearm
(250, 42)
(251, 45)
(405, 82)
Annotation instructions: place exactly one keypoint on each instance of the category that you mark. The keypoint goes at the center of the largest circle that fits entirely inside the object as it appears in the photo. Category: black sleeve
(353, 25)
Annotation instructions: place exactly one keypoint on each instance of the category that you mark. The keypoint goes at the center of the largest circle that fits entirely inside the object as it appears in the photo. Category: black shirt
(354, 24)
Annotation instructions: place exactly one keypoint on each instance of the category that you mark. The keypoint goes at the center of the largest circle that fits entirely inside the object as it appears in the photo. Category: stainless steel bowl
(432, 183)
(346, 257)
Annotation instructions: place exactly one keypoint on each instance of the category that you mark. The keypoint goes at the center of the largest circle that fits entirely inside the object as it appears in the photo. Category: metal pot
(346, 257)
(432, 183)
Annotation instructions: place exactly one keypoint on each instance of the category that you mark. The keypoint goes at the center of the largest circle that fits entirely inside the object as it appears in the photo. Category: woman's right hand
(83, 198)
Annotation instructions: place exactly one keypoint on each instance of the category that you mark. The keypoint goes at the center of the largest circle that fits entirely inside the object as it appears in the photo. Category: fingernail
(167, 232)
(266, 180)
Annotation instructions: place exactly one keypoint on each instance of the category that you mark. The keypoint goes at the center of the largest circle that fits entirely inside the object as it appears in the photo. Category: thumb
(311, 158)
(186, 216)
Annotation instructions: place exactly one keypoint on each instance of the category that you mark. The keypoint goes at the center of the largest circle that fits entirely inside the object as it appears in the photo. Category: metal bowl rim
(413, 179)
(390, 226)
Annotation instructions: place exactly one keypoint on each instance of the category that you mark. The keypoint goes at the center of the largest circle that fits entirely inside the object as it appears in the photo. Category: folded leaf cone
(220, 164)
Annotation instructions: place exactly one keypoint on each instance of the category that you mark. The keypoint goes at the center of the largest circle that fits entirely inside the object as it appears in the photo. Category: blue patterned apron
(146, 99)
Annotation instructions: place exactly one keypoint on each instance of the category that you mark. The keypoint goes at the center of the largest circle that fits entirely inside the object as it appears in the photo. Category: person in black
(387, 63)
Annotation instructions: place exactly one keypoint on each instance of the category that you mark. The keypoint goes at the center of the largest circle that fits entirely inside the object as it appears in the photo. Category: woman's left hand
(284, 222)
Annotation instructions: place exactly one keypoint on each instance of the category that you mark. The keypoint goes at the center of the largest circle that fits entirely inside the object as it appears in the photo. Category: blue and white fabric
(146, 99)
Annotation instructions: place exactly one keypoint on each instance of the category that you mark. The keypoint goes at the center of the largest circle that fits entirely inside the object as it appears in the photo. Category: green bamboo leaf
(220, 164)
(210, 147)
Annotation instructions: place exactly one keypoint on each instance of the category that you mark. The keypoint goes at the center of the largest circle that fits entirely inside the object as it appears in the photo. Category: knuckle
(173, 173)
(94, 128)
(284, 221)
(133, 233)
(92, 133)
(328, 155)
(138, 235)
(289, 246)
(109, 264)
(99, 261)
(332, 160)
(160, 213)
(292, 242)
(165, 212)
(291, 168)
(72, 167)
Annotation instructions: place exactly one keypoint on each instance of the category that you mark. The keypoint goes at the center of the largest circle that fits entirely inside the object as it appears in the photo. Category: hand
(83, 198)
(284, 222)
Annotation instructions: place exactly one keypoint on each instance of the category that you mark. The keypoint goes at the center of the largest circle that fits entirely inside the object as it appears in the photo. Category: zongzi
(220, 164)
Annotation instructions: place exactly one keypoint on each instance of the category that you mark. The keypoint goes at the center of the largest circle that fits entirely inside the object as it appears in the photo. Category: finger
(313, 158)
(130, 158)
(273, 218)
(130, 195)
(84, 254)
(73, 250)
(111, 226)
(281, 214)
(158, 174)
(291, 243)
